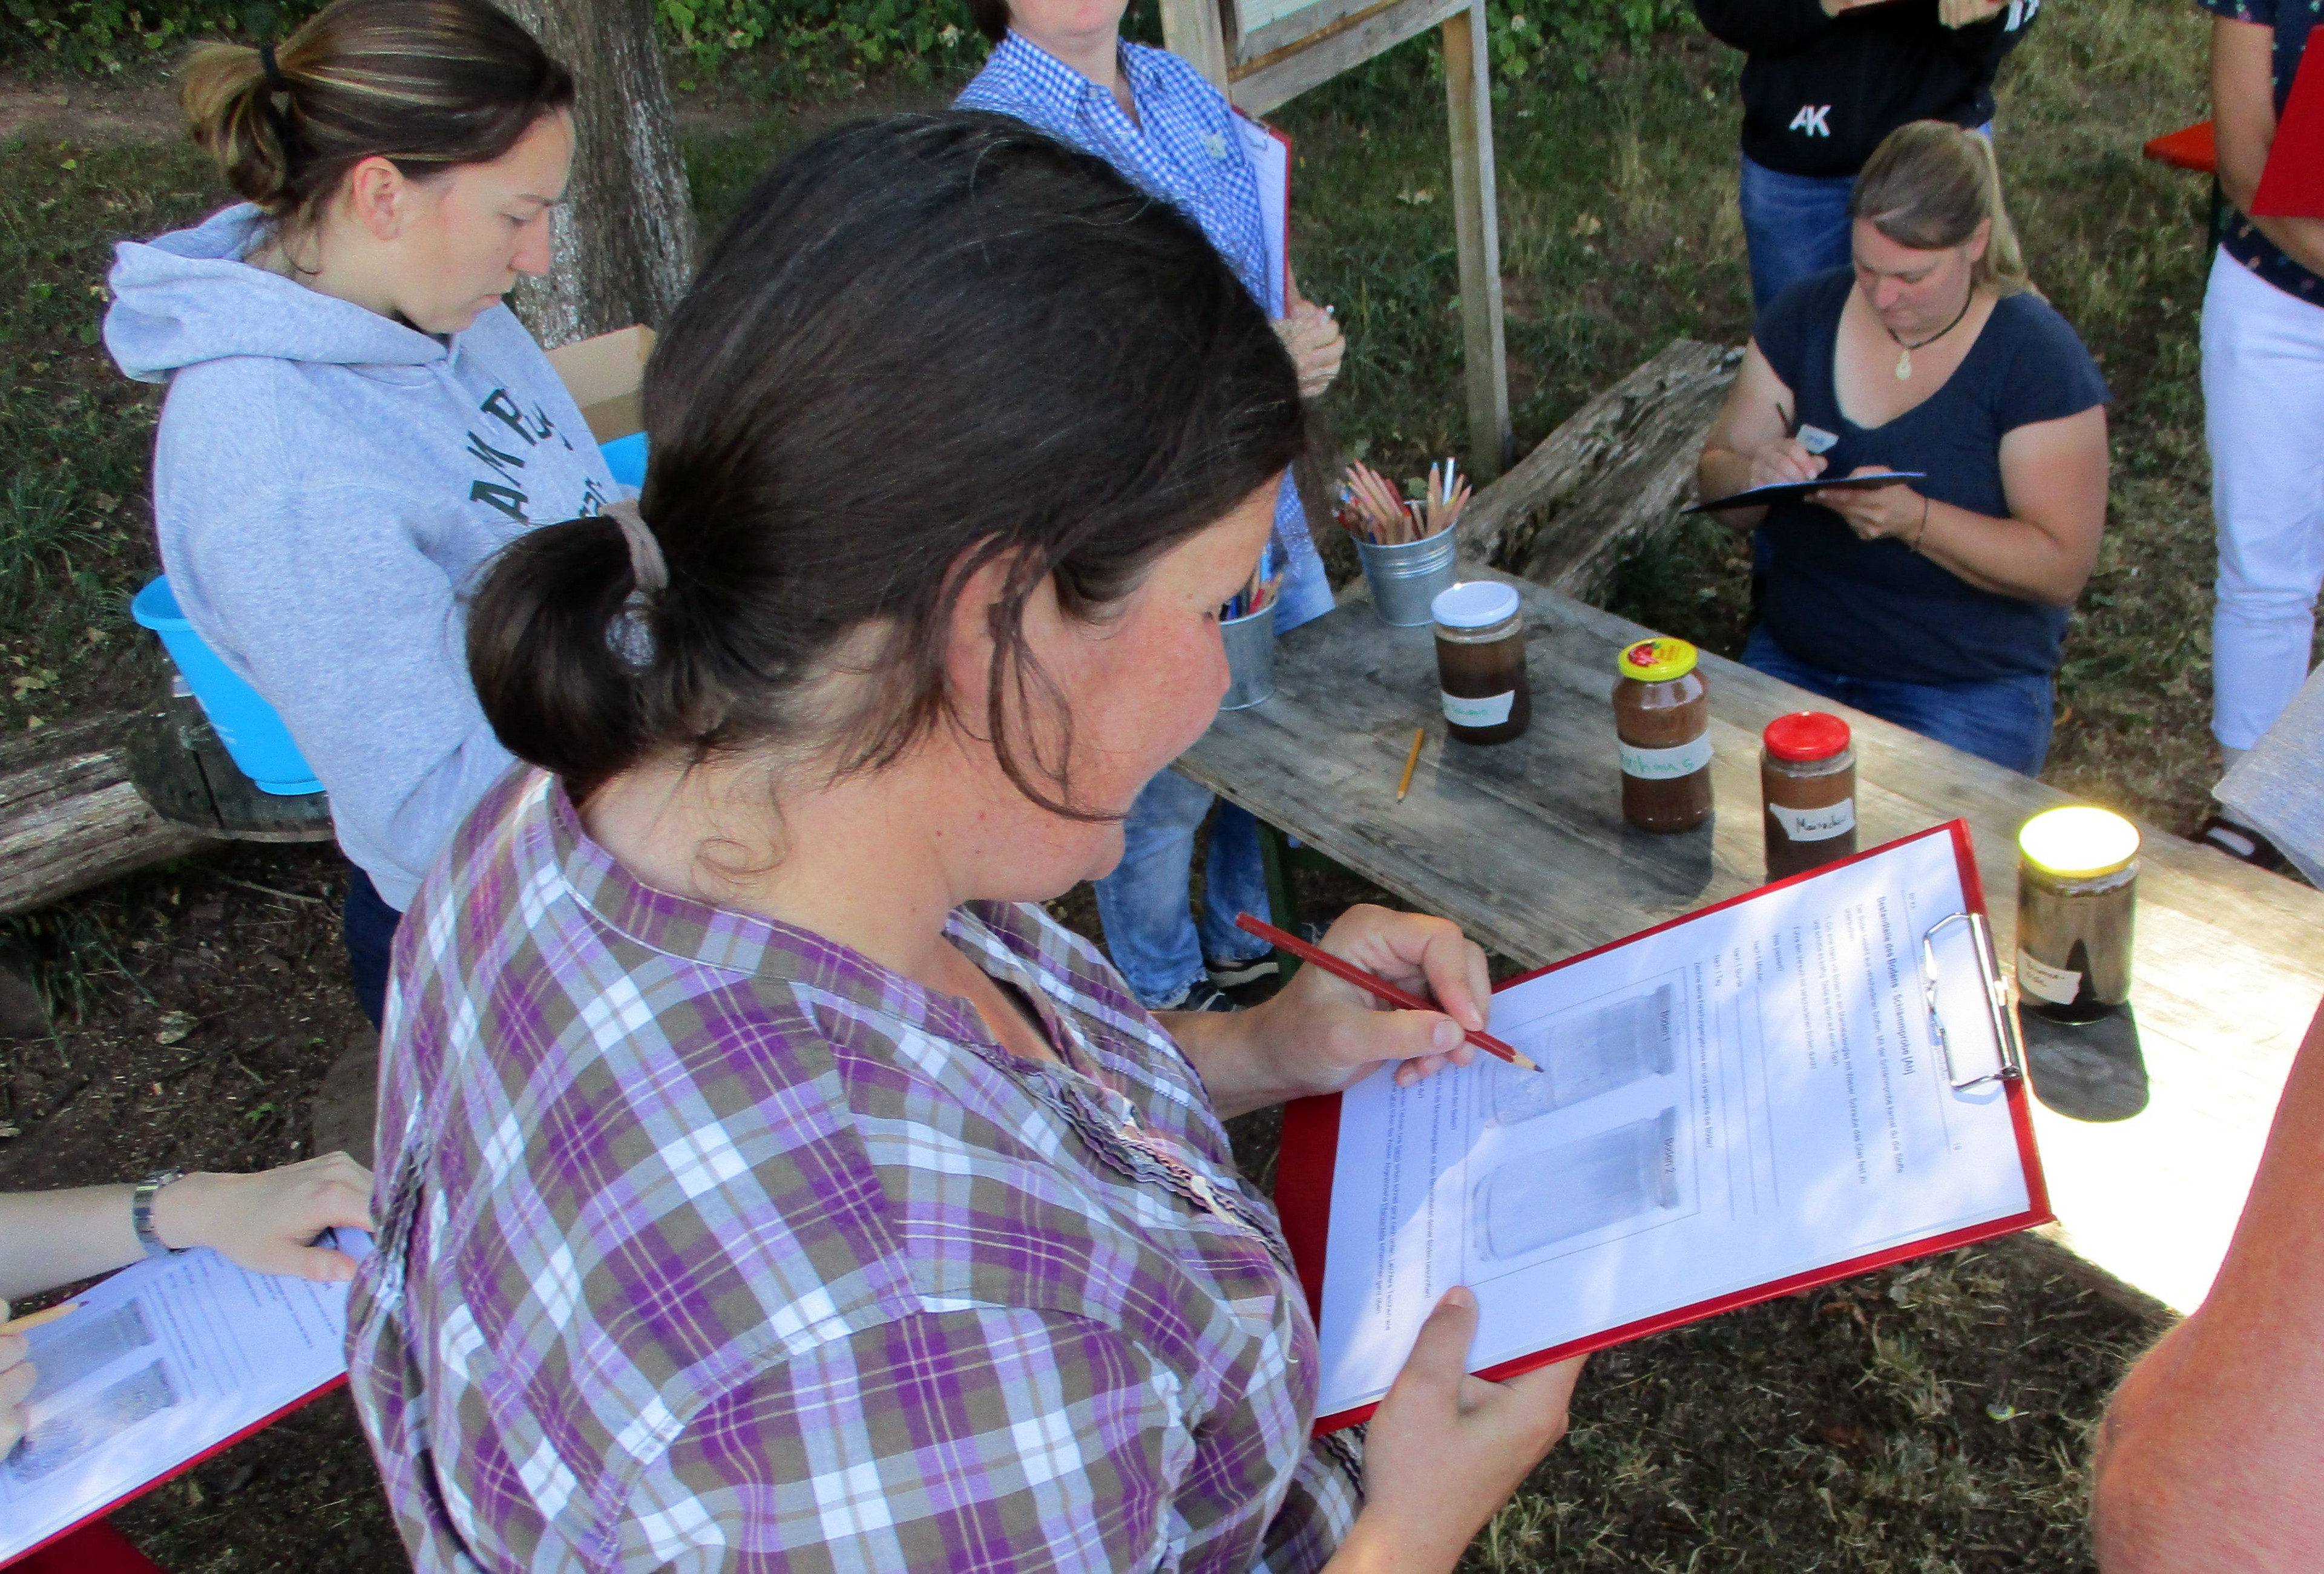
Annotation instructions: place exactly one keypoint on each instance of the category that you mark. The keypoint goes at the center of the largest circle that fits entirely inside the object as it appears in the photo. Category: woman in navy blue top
(1938, 604)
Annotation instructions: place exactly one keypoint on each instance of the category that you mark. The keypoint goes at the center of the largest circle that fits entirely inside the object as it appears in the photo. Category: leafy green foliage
(919, 39)
(102, 37)
(1541, 35)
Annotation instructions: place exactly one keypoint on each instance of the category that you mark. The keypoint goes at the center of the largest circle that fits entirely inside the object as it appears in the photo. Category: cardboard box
(606, 377)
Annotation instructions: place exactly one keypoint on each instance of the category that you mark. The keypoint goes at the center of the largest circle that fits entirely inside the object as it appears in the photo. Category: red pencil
(1376, 985)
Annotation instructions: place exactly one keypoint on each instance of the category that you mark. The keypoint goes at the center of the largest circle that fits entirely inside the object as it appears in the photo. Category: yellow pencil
(31, 1320)
(1419, 736)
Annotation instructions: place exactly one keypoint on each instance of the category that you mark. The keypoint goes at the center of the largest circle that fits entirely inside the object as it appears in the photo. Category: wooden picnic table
(1524, 846)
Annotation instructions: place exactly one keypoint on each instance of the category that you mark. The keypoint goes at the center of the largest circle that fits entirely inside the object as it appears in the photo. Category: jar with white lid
(1480, 662)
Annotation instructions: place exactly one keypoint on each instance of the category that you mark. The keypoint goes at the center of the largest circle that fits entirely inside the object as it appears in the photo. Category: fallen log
(1608, 480)
(85, 803)
(72, 818)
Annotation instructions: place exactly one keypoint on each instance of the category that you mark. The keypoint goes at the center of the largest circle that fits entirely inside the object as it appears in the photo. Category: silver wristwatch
(141, 1211)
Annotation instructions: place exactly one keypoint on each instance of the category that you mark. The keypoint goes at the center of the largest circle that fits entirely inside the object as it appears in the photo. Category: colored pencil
(1403, 999)
(1419, 736)
(33, 1320)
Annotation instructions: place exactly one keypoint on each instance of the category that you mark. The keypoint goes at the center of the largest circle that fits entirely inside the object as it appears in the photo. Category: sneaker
(1233, 975)
(2241, 844)
(1201, 995)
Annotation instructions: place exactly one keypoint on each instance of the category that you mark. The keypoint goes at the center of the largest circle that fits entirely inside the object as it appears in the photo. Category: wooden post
(1194, 30)
(1476, 223)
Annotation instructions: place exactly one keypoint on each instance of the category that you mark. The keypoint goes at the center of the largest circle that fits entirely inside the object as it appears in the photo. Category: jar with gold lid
(2077, 896)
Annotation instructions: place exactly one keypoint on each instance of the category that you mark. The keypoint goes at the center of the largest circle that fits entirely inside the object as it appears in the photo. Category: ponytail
(1928, 185)
(426, 84)
(921, 345)
(235, 120)
(556, 647)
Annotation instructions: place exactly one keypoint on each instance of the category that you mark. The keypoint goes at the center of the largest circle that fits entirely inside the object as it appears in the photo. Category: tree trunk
(1612, 477)
(623, 246)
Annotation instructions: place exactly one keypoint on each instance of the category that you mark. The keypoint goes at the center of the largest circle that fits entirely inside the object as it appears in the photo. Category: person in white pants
(2263, 399)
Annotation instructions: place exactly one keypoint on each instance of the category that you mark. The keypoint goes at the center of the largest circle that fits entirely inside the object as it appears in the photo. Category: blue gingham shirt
(1183, 148)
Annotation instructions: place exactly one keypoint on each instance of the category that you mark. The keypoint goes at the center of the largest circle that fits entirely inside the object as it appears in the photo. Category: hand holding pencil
(1323, 1033)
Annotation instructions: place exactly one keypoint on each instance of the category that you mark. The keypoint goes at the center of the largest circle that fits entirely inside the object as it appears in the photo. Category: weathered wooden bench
(1525, 847)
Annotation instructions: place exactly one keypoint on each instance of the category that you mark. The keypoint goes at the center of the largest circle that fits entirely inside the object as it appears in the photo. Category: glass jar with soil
(2077, 897)
(1480, 662)
(1662, 722)
(1807, 781)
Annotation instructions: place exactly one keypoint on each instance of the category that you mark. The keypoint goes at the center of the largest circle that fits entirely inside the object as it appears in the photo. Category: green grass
(76, 525)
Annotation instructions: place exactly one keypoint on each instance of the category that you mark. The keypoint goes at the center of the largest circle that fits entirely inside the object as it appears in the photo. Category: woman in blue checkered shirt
(1062, 66)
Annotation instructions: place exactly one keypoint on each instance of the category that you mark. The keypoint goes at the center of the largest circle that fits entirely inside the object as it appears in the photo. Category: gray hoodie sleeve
(337, 614)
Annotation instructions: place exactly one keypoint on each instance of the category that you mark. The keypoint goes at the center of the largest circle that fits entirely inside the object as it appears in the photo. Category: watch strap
(141, 1211)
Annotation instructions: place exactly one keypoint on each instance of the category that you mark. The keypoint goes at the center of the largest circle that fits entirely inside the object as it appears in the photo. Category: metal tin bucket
(1405, 578)
(1251, 658)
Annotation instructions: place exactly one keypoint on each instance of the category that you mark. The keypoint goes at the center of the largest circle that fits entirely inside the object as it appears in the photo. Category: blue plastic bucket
(626, 458)
(246, 724)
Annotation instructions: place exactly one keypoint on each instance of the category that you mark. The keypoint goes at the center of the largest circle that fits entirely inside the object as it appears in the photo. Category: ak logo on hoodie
(503, 488)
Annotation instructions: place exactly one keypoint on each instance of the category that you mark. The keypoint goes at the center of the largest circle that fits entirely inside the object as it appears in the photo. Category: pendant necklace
(1904, 351)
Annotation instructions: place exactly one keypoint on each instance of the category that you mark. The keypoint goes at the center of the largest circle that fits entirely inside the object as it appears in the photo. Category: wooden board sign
(1276, 50)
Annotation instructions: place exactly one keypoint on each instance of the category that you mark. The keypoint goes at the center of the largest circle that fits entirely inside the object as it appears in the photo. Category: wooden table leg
(1276, 858)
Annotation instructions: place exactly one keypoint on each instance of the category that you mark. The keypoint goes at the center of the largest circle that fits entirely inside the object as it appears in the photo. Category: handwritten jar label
(1490, 710)
(1666, 764)
(1816, 824)
(2057, 985)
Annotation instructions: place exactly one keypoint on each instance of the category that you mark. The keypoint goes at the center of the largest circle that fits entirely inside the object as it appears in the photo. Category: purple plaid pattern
(707, 1243)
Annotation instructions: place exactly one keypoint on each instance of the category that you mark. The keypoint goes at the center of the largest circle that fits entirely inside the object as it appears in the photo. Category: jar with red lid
(1807, 779)
(1662, 721)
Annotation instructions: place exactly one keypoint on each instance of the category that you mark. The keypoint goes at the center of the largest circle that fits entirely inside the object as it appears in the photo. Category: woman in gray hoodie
(355, 422)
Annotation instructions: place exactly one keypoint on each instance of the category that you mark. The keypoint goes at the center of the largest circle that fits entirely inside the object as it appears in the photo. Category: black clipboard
(1778, 492)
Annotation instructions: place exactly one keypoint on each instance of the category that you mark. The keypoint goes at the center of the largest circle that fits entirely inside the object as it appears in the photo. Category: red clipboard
(53, 1545)
(1269, 152)
(2291, 182)
(1311, 1143)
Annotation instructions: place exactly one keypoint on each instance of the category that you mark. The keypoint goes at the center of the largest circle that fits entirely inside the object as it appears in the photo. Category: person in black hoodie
(1825, 81)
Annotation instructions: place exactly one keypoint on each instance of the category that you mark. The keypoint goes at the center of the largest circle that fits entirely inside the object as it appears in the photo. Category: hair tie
(274, 82)
(646, 564)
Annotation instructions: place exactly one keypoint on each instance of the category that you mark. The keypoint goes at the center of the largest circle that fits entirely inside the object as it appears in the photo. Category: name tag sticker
(1490, 711)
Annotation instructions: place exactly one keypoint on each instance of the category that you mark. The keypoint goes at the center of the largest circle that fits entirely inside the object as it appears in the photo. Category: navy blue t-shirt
(1876, 609)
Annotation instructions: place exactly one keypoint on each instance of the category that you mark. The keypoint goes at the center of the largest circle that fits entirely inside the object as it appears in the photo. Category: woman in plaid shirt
(766, 1180)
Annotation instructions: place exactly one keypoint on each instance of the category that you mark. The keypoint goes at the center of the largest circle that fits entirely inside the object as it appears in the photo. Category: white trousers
(2263, 422)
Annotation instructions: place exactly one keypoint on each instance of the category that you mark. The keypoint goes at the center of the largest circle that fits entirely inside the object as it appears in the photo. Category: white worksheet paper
(162, 1362)
(1751, 1094)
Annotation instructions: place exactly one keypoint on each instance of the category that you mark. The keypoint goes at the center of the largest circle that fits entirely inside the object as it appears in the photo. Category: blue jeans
(1794, 226)
(369, 924)
(1145, 903)
(2006, 720)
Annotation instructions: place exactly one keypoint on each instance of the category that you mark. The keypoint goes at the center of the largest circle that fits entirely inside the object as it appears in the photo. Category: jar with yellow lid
(1662, 722)
(2077, 895)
